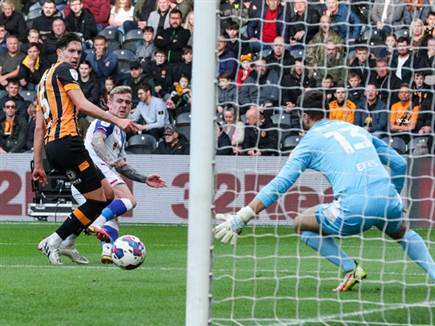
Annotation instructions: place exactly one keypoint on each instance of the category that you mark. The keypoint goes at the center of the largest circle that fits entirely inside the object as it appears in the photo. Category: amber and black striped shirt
(53, 101)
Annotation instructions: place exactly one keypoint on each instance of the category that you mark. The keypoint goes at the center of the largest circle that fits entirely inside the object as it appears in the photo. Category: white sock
(54, 240)
(70, 241)
(113, 224)
(107, 249)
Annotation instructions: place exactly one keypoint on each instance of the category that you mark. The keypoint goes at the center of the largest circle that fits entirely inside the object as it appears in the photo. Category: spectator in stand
(81, 20)
(13, 93)
(261, 87)
(341, 108)
(10, 61)
(88, 82)
(416, 9)
(333, 64)
(227, 92)
(13, 21)
(387, 15)
(265, 24)
(260, 138)
(355, 89)
(121, 15)
(188, 25)
(32, 67)
(102, 60)
(316, 47)
(100, 9)
(430, 25)
(12, 130)
(152, 110)
(159, 19)
(184, 67)
(3, 34)
(226, 58)
(173, 143)
(425, 61)
(327, 86)
(142, 11)
(145, 51)
(223, 146)
(232, 37)
(245, 69)
(385, 81)
(344, 21)
(237, 11)
(302, 23)
(134, 80)
(417, 35)
(49, 46)
(174, 38)
(404, 114)
(30, 129)
(44, 23)
(109, 84)
(232, 127)
(402, 62)
(33, 36)
(372, 112)
(180, 98)
(362, 64)
(391, 43)
(159, 71)
(279, 58)
(420, 91)
(293, 84)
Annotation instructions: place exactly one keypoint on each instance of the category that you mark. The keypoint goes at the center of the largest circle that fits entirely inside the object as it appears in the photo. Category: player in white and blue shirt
(365, 195)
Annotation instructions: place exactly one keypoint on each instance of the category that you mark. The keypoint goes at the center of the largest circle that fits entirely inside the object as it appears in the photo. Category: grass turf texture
(278, 280)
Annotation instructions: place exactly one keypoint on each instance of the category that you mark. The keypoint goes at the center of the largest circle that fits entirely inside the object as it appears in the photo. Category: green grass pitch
(269, 279)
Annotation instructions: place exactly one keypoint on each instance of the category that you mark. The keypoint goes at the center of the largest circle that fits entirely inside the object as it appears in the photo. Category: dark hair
(33, 44)
(100, 37)
(145, 87)
(86, 62)
(176, 11)
(362, 48)
(225, 75)
(66, 39)
(431, 13)
(187, 49)
(49, 1)
(312, 103)
(404, 85)
(403, 39)
(353, 74)
(148, 29)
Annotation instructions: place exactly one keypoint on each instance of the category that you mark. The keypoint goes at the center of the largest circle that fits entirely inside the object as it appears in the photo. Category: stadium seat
(132, 39)
(396, 143)
(418, 146)
(289, 143)
(243, 118)
(125, 57)
(28, 96)
(403, 32)
(113, 45)
(141, 144)
(281, 120)
(2, 93)
(183, 119)
(111, 33)
(184, 130)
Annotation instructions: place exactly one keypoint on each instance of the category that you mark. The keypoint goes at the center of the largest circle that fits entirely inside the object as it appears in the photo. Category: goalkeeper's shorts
(386, 216)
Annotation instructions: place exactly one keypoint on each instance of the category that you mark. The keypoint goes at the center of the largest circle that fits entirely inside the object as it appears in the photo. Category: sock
(113, 232)
(70, 241)
(69, 226)
(328, 248)
(414, 246)
(54, 240)
(116, 208)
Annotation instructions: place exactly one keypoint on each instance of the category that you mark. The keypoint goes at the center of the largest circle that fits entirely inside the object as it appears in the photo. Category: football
(128, 252)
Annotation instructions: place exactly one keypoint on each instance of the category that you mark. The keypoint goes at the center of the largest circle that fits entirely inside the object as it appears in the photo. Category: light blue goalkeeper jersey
(351, 159)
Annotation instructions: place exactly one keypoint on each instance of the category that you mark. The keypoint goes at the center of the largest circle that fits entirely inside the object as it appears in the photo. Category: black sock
(70, 226)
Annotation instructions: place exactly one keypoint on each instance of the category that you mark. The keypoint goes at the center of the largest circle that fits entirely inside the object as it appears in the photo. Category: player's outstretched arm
(153, 180)
(38, 143)
(82, 104)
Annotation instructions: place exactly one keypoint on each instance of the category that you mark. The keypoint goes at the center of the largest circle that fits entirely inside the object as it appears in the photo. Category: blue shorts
(333, 221)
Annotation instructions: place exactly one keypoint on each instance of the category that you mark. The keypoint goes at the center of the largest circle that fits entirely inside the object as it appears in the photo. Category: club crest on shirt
(74, 74)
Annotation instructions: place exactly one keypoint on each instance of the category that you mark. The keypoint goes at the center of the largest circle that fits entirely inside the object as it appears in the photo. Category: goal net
(373, 61)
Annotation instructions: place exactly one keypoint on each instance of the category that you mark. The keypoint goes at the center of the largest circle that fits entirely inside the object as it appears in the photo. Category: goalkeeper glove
(232, 225)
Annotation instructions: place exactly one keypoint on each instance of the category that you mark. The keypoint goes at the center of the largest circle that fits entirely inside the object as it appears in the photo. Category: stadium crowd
(373, 60)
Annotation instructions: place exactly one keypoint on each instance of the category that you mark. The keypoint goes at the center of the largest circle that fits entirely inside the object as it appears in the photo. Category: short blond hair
(120, 90)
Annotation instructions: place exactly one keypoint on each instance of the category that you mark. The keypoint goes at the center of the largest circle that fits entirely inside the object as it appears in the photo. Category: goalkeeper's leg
(414, 246)
(307, 225)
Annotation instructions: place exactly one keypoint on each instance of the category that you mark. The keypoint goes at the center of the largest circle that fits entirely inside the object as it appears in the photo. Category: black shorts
(68, 155)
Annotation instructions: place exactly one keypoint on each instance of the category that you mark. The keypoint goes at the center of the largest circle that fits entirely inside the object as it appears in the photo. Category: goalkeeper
(365, 195)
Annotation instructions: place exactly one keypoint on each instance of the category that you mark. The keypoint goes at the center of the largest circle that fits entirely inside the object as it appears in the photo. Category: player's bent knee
(89, 211)
(397, 235)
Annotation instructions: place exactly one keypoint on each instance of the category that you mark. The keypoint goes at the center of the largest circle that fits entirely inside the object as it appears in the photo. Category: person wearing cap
(172, 143)
(152, 110)
(135, 79)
